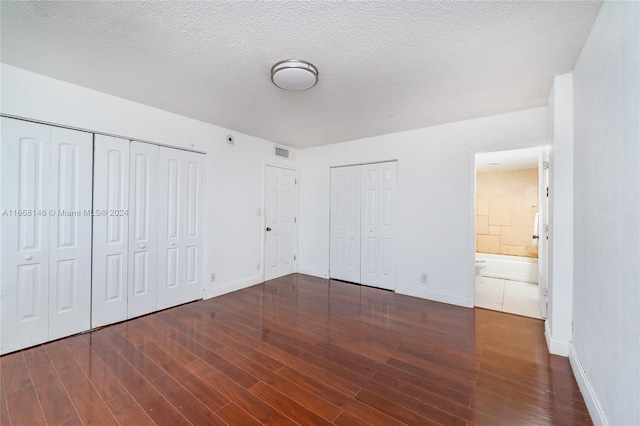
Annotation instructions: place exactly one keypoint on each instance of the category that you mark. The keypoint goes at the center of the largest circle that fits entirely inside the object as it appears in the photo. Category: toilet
(480, 265)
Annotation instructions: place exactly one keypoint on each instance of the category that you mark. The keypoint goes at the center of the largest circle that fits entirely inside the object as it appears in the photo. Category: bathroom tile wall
(506, 204)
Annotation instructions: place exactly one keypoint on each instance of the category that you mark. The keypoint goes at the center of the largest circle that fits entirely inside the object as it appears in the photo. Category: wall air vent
(281, 152)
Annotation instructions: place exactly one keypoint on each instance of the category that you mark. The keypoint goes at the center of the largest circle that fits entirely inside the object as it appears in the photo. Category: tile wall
(506, 204)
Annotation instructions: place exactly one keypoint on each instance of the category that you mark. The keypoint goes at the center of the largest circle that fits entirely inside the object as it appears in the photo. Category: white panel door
(194, 229)
(280, 198)
(345, 223)
(386, 255)
(70, 195)
(171, 196)
(110, 230)
(24, 234)
(370, 213)
(363, 224)
(143, 231)
(180, 227)
(543, 232)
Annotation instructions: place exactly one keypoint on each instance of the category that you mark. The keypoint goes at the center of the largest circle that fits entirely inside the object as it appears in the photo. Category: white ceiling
(384, 66)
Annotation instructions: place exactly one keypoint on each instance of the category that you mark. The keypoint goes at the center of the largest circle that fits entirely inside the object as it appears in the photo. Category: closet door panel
(171, 199)
(194, 226)
(110, 230)
(143, 231)
(24, 234)
(370, 215)
(70, 232)
(345, 223)
(386, 254)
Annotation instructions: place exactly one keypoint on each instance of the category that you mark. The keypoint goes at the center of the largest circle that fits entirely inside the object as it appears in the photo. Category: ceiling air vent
(281, 152)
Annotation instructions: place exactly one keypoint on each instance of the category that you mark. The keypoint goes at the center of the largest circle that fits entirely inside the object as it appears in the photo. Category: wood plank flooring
(297, 350)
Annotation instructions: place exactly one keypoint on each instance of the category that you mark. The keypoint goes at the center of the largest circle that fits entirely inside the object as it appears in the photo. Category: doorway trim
(473, 150)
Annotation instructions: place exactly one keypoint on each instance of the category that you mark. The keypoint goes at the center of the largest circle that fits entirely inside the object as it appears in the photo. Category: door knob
(142, 246)
(172, 244)
(27, 257)
(268, 229)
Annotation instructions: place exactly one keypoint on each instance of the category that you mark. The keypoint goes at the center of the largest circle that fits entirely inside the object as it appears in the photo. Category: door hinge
(294, 257)
(295, 181)
(545, 165)
(295, 220)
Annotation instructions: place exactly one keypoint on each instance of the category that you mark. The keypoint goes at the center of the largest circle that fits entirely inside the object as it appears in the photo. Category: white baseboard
(313, 272)
(433, 295)
(593, 404)
(232, 286)
(555, 346)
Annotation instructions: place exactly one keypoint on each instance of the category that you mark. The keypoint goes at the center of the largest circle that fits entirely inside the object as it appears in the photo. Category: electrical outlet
(424, 278)
(213, 276)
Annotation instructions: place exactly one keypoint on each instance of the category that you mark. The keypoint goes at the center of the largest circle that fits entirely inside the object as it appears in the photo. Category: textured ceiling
(384, 66)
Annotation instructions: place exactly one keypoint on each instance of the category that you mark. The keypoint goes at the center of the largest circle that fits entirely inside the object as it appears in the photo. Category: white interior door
(378, 225)
(25, 161)
(280, 198)
(543, 232)
(345, 223)
(143, 231)
(110, 230)
(70, 195)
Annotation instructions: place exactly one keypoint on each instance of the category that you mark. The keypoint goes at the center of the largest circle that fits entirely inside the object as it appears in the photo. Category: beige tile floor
(515, 297)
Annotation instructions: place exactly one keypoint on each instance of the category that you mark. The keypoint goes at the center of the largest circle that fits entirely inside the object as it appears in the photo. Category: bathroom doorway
(510, 231)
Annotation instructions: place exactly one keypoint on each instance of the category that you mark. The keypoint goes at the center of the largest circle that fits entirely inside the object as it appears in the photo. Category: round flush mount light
(294, 74)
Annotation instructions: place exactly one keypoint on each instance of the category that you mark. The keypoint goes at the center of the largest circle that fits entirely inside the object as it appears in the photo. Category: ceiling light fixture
(294, 74)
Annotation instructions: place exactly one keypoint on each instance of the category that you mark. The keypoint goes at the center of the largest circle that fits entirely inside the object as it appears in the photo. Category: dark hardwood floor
(297, 350)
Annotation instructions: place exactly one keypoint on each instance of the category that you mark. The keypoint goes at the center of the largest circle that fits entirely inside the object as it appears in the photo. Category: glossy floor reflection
(297, 350)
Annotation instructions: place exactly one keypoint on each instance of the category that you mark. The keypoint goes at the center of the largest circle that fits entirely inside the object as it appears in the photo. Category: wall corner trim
(319, 273)
(589, 394)
(232, 286)
(434, 295)
(555, 346)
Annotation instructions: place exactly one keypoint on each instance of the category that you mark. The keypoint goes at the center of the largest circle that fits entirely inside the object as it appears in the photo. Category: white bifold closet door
(149, 247)
(110, 230)
(45, 286)
(180, 227)
(345, 223)
(143, 229)
(378, 230)
(363, 224)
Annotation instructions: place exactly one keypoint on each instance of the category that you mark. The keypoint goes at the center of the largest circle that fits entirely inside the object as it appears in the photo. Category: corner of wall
(314, 272)
(232, 286)
(555, 346)
(590, 398)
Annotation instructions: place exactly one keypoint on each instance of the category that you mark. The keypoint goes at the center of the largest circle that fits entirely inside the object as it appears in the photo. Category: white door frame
(263, 222)
(473, 150)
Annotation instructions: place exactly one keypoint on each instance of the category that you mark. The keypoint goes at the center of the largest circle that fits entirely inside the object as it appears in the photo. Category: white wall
(605, 352)
(235, 174)
(435, 197)
(560, 280)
